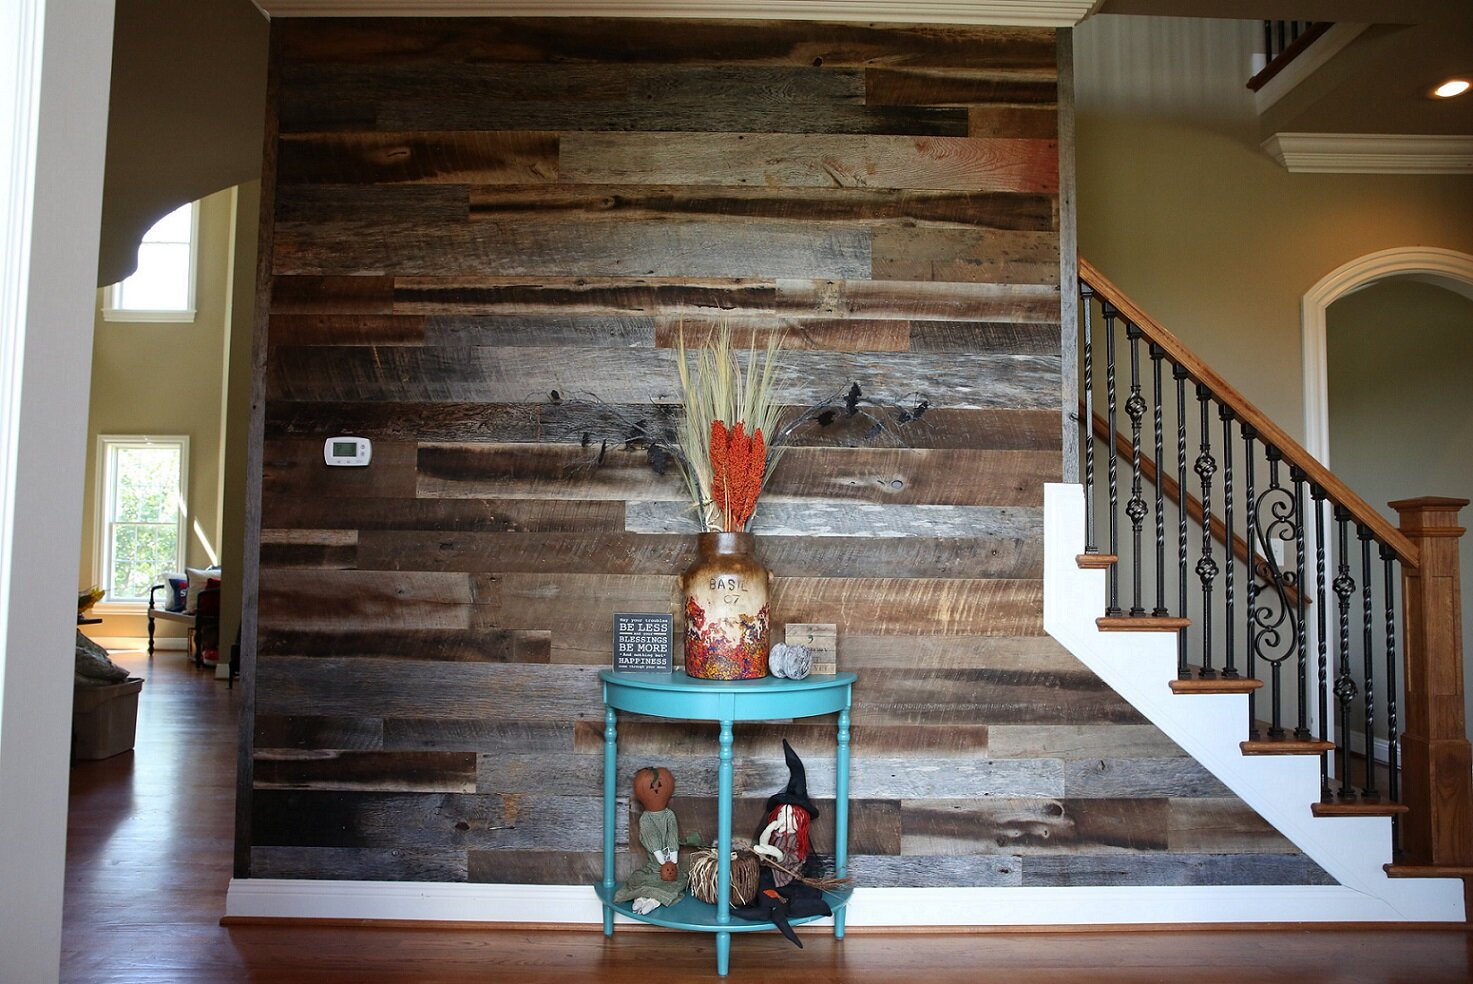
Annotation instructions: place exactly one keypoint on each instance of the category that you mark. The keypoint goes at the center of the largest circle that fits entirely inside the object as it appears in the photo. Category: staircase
(1263, 636)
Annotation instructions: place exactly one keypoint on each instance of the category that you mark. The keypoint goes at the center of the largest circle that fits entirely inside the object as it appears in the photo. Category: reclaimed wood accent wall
(487, 236)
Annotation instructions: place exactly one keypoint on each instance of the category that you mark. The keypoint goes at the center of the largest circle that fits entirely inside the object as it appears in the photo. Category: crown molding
(1008, 13)
(1372, 153)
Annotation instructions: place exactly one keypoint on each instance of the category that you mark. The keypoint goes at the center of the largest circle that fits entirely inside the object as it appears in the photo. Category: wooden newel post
(1437, 764)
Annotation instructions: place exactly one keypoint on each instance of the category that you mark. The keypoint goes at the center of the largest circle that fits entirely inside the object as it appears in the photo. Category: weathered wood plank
(777, 160)
(1081, 741)
(437, 821)
(309, 548)
(350, 296)
(402, 688)
(290, 507)
(1063, 870)
(699, 41)
(294, 467)
(999, 697)
(364, 601)
(347, 329)
(636, 553)
(317, 731)
(891, 476)
(900, 207)
(476, 645)
(583, 295)
(574, 421)
(479, 734)
(964, 380)
(1221, 826)
(937, 871)
(590, 331)
(853, 519)
(371, 206)
(545, 867)
(1019, 826)
(919, 300)
(1040, 122)
(874, 825)
(914, 606)
(399, 771)
(1136, 777)
(864, 653)
(460, 157)
(534, 248)
(359, 864)
(966, 256)
(885, 86)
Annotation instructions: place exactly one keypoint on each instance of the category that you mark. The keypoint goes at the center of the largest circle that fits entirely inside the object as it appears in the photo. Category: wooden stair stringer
(1209, 727)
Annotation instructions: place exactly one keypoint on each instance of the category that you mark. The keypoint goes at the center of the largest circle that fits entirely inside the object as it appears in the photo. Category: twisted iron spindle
(1086, 295)
(1112, 608)
(1368, 791)
(1301, 651)
(1161, 611)
(1206, 568)
(1345, 688)
(1179, 374)
(1250, 587)
(1135, 508)
(1322, 679)
(1230, 651)
(1393, 755)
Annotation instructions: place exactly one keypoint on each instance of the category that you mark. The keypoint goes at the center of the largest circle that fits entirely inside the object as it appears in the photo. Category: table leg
(611, 766)
(841, 814)
(723, 848)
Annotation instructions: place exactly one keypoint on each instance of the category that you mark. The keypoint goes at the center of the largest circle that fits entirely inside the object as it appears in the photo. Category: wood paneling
(489, 238)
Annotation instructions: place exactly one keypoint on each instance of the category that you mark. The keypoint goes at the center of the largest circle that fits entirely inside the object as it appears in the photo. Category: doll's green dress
(660, 835)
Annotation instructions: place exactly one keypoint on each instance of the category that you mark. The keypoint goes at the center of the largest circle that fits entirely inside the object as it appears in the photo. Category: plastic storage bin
(105, 719)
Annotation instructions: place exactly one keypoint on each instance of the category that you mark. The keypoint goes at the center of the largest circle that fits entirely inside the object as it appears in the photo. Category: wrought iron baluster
(1086, 297)
(1112, 608)
(1157, 353)
(1393, 751)
(1368, 654)
(1135, 508)
(1322, 680)
(1276, 633)
(1345, 688)
(1230, 649)
(1301, 650)
(1250, 586)
(1205, 467)
(1179, 374)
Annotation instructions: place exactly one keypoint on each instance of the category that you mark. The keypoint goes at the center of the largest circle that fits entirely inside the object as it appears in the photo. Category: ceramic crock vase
(726, 625)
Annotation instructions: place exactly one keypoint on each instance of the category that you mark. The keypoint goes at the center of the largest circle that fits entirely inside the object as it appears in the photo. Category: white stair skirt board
(1139, 667)
(576, 905)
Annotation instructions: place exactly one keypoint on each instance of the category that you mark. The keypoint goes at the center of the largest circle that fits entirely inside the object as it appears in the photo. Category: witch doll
(783, 841)
(659, 881)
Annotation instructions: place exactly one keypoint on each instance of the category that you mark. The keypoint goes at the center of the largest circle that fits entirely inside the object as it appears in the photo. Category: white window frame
(102, 527)
(111, 312)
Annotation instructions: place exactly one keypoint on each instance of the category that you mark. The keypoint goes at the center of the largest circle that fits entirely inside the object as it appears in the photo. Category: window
(141, 513)
(162, 288)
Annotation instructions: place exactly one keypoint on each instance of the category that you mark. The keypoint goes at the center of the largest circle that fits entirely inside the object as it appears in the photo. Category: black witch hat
(796, 791)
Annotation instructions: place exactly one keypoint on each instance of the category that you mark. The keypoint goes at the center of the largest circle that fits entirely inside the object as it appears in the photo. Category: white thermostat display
(347, 451)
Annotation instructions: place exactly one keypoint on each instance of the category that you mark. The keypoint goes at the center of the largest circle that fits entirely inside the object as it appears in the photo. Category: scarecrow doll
(659, 881)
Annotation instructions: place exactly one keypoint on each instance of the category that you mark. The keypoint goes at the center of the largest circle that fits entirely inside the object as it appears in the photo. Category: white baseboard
(576, 905)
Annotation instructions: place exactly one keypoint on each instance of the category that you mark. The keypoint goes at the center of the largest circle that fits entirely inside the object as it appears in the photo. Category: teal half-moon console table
(677, 696)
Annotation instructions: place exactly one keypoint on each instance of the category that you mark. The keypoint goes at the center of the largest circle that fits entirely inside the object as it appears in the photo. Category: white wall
(54, 60)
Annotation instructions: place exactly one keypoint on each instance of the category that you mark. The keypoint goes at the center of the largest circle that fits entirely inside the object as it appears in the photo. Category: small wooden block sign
(642, 642)
(822, 642)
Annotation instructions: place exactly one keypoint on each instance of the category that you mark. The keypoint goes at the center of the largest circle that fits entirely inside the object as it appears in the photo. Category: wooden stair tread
(1198, 684)
(1141, 623)
(1394, 870)
(1286, 745)
(1357, 808)
(1095, 561)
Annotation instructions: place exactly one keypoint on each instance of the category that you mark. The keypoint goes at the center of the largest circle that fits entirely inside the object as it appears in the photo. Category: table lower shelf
(692, 913)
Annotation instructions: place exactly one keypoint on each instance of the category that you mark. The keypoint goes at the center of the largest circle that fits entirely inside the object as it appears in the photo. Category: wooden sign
(822, 642)
(642, 642)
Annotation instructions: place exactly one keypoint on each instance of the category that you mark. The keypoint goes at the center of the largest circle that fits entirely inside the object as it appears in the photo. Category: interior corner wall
(168, 378)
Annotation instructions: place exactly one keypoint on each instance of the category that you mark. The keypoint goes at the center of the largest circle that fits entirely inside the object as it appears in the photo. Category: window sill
(149, 317)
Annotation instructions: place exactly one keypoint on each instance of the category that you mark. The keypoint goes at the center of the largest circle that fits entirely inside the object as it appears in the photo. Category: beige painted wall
(167, 378)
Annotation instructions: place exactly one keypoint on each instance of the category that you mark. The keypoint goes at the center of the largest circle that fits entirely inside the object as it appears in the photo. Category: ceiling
(189, 76)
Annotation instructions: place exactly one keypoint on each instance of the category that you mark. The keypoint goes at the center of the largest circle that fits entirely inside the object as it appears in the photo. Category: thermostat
(347, 451)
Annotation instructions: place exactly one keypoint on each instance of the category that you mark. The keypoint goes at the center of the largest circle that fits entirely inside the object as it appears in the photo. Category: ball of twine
(744, 871)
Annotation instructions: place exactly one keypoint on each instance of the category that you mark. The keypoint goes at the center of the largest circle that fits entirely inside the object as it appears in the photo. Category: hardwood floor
(149, 847)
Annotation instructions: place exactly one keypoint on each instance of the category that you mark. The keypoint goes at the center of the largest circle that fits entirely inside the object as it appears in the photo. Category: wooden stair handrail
(1170, 490)
(1271, 433)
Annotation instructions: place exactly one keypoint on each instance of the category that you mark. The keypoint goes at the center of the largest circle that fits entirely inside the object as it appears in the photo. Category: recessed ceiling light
(1452, 87)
